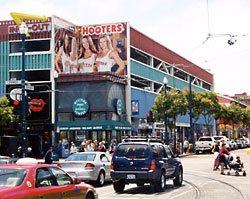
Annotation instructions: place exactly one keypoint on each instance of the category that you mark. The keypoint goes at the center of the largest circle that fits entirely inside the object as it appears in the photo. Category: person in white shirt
(73, 148)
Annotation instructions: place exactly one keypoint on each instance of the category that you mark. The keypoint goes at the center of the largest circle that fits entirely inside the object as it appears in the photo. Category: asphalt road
(200, 182)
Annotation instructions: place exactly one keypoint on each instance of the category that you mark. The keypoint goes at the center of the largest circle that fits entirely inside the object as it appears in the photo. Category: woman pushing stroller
(224, 154)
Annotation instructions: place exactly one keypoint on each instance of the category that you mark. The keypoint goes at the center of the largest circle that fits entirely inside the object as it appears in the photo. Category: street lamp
(165, 82)
(23, 29)
(191, 111)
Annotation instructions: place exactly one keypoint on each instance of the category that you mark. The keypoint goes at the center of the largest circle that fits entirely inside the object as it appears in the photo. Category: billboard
(91, 49)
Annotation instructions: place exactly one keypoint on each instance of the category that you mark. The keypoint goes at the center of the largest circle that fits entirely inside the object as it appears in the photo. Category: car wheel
(160, 184)
(179, 178)
(90, 195)
(119, 186)
(101, 179)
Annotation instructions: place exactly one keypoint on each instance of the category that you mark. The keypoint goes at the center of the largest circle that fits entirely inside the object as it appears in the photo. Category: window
(30, 46)
(140, 56)
(61, 177)
(132, 151)
(44, 178)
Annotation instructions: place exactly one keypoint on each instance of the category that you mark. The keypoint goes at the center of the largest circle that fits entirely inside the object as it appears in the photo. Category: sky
(182, 26)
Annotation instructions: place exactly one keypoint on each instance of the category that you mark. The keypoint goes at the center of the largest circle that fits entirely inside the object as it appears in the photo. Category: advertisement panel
(91, 49)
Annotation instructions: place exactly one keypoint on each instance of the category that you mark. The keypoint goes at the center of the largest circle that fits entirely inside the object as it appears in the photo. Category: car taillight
(59, 165)
(89, 166)
(112, 165)
(153, 165)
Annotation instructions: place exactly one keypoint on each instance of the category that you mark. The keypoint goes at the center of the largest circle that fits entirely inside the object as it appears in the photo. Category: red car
(33, 180)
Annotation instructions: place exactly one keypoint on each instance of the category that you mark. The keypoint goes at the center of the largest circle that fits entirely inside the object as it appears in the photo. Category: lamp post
(191, 111)
(165, 82)
(23, 29)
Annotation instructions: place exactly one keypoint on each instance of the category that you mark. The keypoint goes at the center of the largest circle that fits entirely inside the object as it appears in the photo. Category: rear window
(132, 151)
(205, 139)
(81, 157)
(11, 177)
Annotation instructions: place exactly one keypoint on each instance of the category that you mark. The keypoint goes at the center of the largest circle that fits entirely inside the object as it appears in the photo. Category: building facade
(72, 98)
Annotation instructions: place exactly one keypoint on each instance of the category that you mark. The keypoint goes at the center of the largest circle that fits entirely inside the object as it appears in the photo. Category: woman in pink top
(107, 57)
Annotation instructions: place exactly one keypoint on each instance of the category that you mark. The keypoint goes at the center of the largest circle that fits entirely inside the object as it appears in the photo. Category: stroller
(236, 165)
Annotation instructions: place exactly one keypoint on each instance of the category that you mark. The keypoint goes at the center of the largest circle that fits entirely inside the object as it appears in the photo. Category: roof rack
(142, 139)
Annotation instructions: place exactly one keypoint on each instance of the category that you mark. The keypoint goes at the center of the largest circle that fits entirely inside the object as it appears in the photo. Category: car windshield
(11, 177)
(81, 157)
(132, 151)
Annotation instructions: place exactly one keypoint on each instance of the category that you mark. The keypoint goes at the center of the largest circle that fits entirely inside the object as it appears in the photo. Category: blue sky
(180, 25)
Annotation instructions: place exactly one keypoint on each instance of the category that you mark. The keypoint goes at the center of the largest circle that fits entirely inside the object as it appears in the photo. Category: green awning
(94, 125)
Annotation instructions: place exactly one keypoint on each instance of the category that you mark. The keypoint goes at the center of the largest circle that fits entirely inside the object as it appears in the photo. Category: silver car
(88, 166)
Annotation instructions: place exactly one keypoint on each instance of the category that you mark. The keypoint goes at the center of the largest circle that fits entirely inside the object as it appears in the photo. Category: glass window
(30, 46)
(61, 177)
(132, 151)
(169, 153)
(44, 178)
(81, 157)
(12, 177)
(140, 56)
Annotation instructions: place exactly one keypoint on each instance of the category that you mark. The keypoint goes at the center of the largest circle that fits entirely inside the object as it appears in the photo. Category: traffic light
(17, 107)
(150, 117)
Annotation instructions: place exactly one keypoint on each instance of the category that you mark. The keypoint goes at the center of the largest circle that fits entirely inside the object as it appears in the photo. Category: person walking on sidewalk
(48, 156)
(186, 145)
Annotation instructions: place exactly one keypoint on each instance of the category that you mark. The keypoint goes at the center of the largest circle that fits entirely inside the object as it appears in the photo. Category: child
(238, 160)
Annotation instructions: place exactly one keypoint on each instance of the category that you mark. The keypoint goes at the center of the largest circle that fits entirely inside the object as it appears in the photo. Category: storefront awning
(94, 125)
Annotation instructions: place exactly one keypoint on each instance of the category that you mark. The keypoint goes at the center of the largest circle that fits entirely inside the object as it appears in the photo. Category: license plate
(130, 176)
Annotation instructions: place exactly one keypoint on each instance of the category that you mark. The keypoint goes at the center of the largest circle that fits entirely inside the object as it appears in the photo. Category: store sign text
(35, 27)
(96, 30)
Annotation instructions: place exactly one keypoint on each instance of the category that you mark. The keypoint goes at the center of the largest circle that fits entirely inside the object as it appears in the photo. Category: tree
(6, 112)
(207, 106)
(171, 105)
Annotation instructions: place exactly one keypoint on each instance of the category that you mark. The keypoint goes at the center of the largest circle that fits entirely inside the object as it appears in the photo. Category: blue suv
(144, 161)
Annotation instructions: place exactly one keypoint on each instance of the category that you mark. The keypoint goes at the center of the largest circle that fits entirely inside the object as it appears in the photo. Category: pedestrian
(216, 150)
(185, 145)
(223, 157)
(48, 156)
(73, 148)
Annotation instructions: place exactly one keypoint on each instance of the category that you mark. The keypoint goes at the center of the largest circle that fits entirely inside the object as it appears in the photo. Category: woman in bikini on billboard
(107, 57)
(88, 53)
(67, 55)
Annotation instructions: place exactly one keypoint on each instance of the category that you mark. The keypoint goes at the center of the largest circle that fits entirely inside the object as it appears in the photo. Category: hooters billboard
(92, 49)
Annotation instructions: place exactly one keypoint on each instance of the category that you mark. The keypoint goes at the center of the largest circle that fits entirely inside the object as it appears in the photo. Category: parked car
(28, 179)
(233, 145)
(239, 143)
(143, 162)
(222, 137)
(7, 160)
(204, 144)
(88, 166)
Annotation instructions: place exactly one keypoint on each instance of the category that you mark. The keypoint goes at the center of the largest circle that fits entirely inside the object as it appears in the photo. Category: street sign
(16, 94)
(29, 87)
